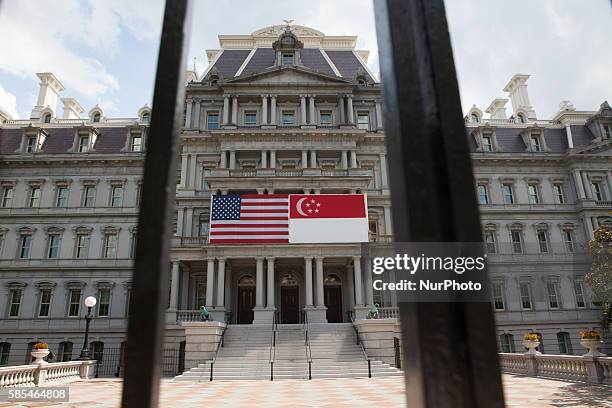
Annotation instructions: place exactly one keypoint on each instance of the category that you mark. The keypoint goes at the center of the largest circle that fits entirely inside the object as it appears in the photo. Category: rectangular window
(74, 302)
(136, 143)
(45, 303)
(212, 120)
(83, 144)
(65, 352)
(506, 341)
(204, 228)
(597, 193)
(325, 117)
(15, 304)
(487, 145)
(553, 300)
(288, 118)
(568, 239)
(517, 242)
(287, 59)
(543, 241)
(7, 196)
(535, 144)
(558, 193)
(54, 246)
(82, 246)
(116, 196)
(34, 200)
(104, 302)
(31, 145)
(61, 200)
(498, 296)
(483, 194)
(607, 132)
(200, 294)
(110, 246)
(89, 196)
(525, 289)
(579, 291)
(5, 352)
(363, 120)
(25, 243)
(508, 194)
(565, 343)
(250, 118)
(534, 197)
(489, 238)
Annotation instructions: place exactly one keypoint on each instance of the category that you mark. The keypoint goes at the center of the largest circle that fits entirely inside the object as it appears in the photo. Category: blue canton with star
(225, 207)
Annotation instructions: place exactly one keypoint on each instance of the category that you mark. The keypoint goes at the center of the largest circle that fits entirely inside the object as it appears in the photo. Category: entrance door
(290, 304)
(333, 302)
(246, 303)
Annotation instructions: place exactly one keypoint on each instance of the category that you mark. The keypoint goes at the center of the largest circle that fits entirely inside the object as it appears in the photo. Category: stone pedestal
(171, 316)
(218, 315)
(377, 338)
(87, 369)
(201, 340)
(361, 312)
(316, 314)
(263, 316)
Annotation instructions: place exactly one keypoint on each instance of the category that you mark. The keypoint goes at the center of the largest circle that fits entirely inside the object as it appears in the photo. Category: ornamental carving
(277, 30)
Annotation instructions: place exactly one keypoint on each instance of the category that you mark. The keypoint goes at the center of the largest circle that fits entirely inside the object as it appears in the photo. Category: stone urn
(531, 346)
(592, 345)
(39, 355)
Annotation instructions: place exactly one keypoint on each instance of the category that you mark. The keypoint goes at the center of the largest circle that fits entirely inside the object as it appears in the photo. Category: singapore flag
(327, 218)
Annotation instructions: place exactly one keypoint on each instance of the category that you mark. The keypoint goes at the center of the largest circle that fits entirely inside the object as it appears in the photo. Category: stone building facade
(283, 110)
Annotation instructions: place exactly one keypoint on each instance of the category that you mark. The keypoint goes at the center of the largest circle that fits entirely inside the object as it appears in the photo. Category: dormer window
(32, 144)
(487, 144)
(47, 118)
(475, 118)
(83, 144)
(146, 117)
(607, 132)
(536, 145)
(136, 145)
(96, 118)
(520, 118)
(288, 59)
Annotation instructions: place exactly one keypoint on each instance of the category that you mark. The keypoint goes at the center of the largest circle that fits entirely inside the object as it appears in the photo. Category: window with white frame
(543, 240)
(109, 249)
(579, 292)
(212, 120)
(506, 341)
(536, 143)
(508, 193)
(483, 194)
(490, 241)
(96, 117)
(74, 302)
(7, 196)
(136, 143)
(104, 295)
(89, 196)
(34, 196)
(607, 132)
(288, 117)
(553, 298)
(32, 144)
(525, 293)
(597, 191)
(116, 198)
(534, 196)
(475, 118)
(568, 239)
(15, 295)
(83, 144)
(516, 237)
(25, 245)
(53, 246)
(520, 118)
(565, 343)
(363, 120)
(250, 118)
(146, 117)
(44, 302)
(61, 196)
(498, 295)
(487, 143)
(81, 245)
(558, 194)
(287, 59)
(325, 117)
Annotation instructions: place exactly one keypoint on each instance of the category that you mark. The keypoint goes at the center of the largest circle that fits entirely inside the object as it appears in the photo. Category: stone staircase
(246, 354)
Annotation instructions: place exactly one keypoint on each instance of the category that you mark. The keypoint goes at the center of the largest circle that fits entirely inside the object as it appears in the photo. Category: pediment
(293, 75)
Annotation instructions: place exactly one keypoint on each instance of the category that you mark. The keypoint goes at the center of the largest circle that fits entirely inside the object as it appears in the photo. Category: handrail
(273, 344)
(219, 345)
(360, 344)
(307, 344)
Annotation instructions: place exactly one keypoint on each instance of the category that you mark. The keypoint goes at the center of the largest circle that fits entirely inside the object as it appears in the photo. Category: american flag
(249, 219)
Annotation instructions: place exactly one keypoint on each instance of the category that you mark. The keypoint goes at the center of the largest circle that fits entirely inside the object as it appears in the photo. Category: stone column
(264, 109)
(308, 281)
(350, 287)
(303, 109)
(587, 185)
(225, 109)
(349, 108)
(358, 282)
(174, 286)
(259, 283)
(369, 290)
(188, 114)
(353, 159)
(609, 178)
(379, 124)
(220, 283)
(210, 281)
(235, 110)
(344, 159)
(320, 297)
(232, 163)
(568, 133)
(273, 110)
(579, 186)
(312, 110)
(304, 159)
(196, 115)
(223, 162)
(388, 223)
(180, 221)
(341, 109)
(272, 159)
(383, 171)
(264, 159)
(313, 159)
(184, 170)
(270, 290)
(193, 167)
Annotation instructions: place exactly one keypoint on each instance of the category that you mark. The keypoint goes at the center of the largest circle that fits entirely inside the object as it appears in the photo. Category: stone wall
(377, 338)
(201, 340)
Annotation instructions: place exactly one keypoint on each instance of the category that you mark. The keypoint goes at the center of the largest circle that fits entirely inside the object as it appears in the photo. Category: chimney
(497, 108)
(50, 88)
(517, 88)
(72, 108)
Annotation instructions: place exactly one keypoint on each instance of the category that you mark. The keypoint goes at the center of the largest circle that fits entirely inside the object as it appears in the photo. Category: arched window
(475, 118)
(47, 118)
(96, 118)
(96, 350)
(332, 279)
(247, 280)
(64, 352)
(565, 343)
(146, 117)
(506, 341)
(520, 118)
(5, 352)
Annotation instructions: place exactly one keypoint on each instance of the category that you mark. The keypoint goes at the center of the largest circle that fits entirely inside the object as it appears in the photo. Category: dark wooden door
(246, 303)
(290, 304)
(333, 302)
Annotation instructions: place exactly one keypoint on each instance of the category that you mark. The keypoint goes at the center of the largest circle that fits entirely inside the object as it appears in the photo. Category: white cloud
(8, 102)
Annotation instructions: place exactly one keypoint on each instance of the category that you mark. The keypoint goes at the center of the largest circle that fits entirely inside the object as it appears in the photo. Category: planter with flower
(531, 341)
(591, 340)
(40, 351)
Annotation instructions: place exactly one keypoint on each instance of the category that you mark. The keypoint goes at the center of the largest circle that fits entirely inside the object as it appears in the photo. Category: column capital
(357, 258)
(270, 258)
(264, 96)
(272, 96)
(221, 259)
(259, 258)
(303, 96)
(319, 258)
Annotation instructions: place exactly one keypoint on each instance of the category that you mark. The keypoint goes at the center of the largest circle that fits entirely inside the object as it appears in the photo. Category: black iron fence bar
(151, 266)
(211, 370)
(369, 369)
(433, 200)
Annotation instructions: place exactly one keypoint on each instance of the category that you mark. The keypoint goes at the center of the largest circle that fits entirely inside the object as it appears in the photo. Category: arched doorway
(246, 299)
(333, 297)
(290, 299)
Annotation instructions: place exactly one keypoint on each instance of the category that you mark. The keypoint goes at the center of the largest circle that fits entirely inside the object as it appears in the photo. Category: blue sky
(105, 52)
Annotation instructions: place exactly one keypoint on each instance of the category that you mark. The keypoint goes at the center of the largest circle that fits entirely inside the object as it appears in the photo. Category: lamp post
(90, 302)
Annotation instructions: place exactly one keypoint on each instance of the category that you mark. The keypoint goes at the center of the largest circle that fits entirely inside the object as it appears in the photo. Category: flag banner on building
(283, 218)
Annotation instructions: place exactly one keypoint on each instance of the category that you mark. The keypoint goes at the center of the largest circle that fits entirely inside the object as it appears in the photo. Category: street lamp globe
(90, 301)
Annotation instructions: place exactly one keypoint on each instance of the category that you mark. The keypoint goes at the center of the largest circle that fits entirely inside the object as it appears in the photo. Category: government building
(284, 110)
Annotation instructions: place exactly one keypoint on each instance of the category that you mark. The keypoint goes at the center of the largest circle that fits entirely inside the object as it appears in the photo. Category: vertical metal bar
(369, 369)
(309, 369)
(211, 371)
(151, 266)
(450, 353)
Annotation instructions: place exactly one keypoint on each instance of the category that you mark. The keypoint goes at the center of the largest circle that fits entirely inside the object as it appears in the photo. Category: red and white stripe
(264, 219)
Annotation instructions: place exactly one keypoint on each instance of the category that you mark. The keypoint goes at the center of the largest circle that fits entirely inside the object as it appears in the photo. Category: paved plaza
(338, 393)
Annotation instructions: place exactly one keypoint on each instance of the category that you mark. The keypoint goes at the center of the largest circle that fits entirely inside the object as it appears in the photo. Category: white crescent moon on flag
(298, 207)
